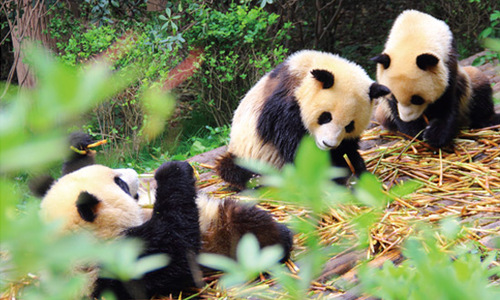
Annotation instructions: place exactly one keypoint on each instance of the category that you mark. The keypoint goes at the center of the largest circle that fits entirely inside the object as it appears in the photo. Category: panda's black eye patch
(350, 127)
(417, 100)
(324, 118)
(122, 184)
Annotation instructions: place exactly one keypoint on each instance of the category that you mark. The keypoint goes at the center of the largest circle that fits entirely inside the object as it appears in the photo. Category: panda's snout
(324, 145)
(328, 145)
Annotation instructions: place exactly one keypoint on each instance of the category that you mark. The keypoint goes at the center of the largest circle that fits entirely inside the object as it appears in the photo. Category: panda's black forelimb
(173, 230)
(78, 140)
(350, 148)
(444, 113)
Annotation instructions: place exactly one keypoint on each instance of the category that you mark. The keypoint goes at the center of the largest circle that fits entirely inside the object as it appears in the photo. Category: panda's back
(245, 141)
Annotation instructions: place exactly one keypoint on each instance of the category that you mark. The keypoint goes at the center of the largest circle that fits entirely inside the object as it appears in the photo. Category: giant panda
(95, 198)
(430, 91)
(311, 92)
(183, 223)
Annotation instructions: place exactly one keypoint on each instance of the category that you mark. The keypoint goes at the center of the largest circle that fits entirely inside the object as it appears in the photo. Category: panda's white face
(415, 81)
(93, 198)
(334, 99)
(413, 64)
(329, 134)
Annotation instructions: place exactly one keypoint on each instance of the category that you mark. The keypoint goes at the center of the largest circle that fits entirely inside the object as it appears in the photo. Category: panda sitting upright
(311, 92)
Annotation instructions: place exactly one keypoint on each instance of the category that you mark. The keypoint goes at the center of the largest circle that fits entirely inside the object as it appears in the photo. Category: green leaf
(217, 262)
(402, 190)
(149, 263)
(369, 191)
(450, 228)
(247, 252)
(158, 106)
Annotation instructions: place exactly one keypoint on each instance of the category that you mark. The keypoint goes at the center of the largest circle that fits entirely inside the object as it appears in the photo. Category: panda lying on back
(96, 198)
(312, 92)
(430, 90)
(182, 223)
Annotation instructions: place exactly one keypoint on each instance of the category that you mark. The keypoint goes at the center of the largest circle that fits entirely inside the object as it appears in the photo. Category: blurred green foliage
(429, 271)
(35, 257)
(34, 120)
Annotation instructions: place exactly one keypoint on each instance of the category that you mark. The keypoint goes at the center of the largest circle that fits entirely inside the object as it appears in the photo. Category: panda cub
(430, 91)
(311, 92)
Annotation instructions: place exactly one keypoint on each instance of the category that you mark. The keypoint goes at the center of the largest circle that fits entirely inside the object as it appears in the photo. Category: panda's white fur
(311, 92)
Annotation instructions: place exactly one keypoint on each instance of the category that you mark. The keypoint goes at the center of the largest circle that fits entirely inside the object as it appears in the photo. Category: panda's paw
(173, 171)
(436, 134)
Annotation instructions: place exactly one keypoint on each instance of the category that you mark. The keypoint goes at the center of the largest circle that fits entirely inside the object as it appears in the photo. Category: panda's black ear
(40, 185)
(86, 206)
(378, 90)
(324, 77)
(382, 59)
(426, 61)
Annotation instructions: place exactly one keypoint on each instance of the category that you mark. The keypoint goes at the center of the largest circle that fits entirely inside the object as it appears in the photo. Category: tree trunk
(156, 5)
(28, 25)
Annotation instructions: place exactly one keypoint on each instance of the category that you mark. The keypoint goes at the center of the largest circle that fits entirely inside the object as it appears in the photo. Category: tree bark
(29, 24)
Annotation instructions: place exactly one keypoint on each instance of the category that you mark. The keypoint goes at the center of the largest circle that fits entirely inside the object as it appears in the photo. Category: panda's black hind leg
(481, 107)
(230, 172)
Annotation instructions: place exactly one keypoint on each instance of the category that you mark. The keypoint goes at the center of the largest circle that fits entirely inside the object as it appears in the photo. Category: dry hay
(462, 181)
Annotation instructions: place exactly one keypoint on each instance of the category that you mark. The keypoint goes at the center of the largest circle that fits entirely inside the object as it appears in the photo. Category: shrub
(239, 45)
